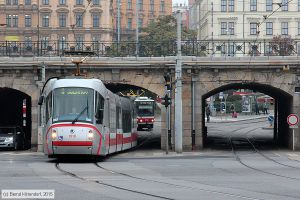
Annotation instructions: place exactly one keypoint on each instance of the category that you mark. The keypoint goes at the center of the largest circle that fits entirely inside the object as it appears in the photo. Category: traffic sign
(293, 120)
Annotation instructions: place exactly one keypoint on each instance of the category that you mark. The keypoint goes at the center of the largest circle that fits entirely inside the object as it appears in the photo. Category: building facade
(19, 20)
(75, 21)
(245, 20)
(56, 23)
(148, 11)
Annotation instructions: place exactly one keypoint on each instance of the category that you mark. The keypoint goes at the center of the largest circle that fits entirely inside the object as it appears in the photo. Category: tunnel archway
(283, 107)
(15, 109)
(153, 136)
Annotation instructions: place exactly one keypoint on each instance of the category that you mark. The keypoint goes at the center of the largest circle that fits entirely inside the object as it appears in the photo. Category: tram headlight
(140, 120)
(152, 120)
(54, 135)
(90, 135)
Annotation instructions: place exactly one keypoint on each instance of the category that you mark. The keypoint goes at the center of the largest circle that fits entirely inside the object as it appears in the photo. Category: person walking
(256, 109)
(265, 108)
(232, 110)
(207, 111)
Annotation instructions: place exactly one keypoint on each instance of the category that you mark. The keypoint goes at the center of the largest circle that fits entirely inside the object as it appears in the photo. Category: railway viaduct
(279, 77)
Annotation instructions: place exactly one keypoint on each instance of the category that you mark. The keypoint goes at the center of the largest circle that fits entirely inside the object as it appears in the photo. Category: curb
(230, 121)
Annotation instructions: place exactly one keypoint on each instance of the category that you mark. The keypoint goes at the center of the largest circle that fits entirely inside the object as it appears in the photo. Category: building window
(230, 28)
(95, 41)
(79, 20)
(45, 2)
(62, 20)
(253, 28)
(28, 42)
(45, 42)
(269, 5)
(96, 2)
(62, 2)
(45, 21)
(15, 21)
(27, 2)
(227, 28)
(79, 2)
(268, 50)
(162, 6)
(284, 28)
(8, 20)
(253, 5)
(269, 28)
(140, 22)
(223, 5)
(140, 5)
(15, 2)
(285, 5)
(129, 23)
(96, 20)
(62, 42)
(8, 2)
(79, 42)
(231, 6)
(223, 28)
(27, 20)
(152, 5)
(129, 4)
(299, 30)
(298, 5)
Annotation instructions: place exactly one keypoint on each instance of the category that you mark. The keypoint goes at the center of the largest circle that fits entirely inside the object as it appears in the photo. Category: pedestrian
(207, 111)
(256, 109)
(265, 108)
(232, 110)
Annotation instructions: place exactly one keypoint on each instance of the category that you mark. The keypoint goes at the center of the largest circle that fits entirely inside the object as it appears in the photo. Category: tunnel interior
(15, 109)
(148, 139)
(282, 108)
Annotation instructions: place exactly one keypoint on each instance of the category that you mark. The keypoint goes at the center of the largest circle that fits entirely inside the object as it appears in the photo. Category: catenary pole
(137, 28)
(178, 90)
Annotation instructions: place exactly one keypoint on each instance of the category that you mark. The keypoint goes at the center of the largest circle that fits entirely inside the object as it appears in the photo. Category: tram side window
(48, 107)
(118, 116)
(99, 108)
(126, 121)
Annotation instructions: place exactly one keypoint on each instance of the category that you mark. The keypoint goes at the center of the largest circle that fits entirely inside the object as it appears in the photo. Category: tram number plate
(72, 136)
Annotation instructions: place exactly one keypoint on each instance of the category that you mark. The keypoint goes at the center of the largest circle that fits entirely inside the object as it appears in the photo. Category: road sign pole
(293, 139)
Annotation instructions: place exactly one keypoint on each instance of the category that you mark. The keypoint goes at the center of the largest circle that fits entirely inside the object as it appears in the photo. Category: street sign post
(293, 121)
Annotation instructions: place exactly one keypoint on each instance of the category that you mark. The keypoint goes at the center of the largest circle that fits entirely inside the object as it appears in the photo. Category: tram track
(178, 186)
(238, 158)
(59, 168)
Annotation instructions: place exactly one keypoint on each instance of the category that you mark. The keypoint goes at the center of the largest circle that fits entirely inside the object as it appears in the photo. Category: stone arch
(24, 84)
(283, 105)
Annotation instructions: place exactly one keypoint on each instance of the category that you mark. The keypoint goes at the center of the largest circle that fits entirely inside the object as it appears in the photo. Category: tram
(80, 116)
(145, 108)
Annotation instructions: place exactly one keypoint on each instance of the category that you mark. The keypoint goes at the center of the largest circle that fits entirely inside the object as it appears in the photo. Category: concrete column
(187, 114)
(198, 116)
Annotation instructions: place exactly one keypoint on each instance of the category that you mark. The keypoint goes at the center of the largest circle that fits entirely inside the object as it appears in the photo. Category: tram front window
(73, 104)
(145, 109)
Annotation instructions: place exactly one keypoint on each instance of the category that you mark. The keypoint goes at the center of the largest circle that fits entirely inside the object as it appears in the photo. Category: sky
(180, 1)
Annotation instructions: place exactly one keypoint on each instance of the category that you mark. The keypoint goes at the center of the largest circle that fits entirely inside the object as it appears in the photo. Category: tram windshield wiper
(86, 108)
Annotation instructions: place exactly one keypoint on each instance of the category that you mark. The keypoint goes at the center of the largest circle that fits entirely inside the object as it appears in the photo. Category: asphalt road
(231, 168)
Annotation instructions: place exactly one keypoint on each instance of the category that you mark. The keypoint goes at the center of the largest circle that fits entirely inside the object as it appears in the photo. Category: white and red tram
(80, 116)
(145, 111)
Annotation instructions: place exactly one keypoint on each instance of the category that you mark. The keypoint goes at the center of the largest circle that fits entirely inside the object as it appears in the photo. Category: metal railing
(199, 48)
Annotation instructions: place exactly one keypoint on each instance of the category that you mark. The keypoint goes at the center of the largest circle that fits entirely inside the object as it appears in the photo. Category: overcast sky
(180, 1)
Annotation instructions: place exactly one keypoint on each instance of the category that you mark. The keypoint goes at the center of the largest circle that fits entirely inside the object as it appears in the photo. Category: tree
(159, 37)
(282, 45)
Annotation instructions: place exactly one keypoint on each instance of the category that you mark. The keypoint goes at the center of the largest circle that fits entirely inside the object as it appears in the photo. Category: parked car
(12, 137)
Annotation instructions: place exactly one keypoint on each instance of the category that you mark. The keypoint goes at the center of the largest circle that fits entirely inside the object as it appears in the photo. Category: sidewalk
(240, 117)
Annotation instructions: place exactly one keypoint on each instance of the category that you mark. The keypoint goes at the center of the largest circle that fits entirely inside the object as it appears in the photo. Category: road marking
(292, 154)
